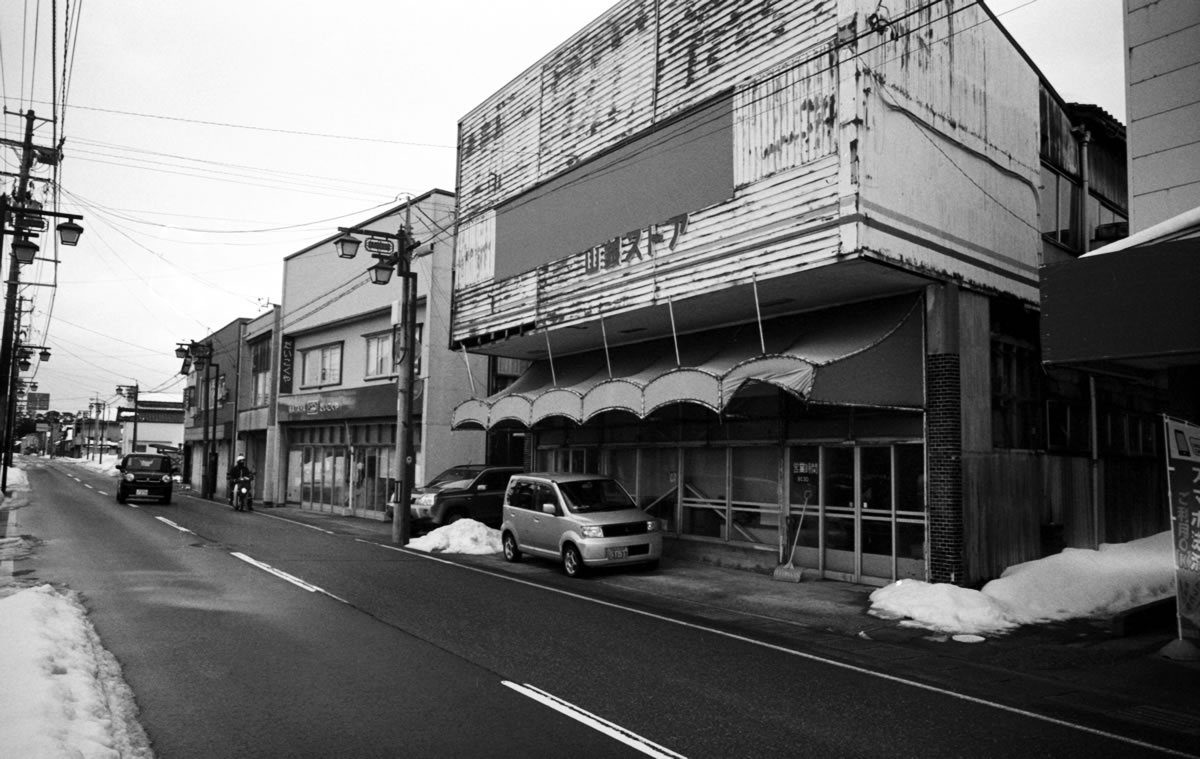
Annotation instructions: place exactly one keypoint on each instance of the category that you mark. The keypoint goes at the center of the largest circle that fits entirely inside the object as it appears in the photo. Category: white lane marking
(293, 521)
(599, 724)
(794, 652)
(102, 492)
(166, 521)
(285, 576)
(89, 487)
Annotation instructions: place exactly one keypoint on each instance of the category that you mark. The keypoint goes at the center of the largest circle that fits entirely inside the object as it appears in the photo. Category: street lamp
(23, 252)
(130, 392)
(394, 252)
(194, 355)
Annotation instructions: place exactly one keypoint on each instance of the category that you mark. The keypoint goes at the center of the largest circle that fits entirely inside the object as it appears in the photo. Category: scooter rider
(239, 470)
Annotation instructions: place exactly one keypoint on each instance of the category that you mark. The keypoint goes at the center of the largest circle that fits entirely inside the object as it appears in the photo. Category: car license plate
(141, 491)
(616, 553)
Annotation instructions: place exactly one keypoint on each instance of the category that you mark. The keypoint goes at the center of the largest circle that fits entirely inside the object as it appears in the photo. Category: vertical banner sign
(287, 364)
(1183, 490)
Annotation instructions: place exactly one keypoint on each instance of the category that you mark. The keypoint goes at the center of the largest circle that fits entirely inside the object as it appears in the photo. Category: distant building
(159, 424)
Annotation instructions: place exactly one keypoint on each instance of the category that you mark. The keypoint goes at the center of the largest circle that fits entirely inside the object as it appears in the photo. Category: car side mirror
(550, 508)
(120, 467)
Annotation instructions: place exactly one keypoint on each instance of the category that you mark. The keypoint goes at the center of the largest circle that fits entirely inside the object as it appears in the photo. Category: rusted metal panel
(780, 225)
(785, 120)
(498, 145)
(597, 89)
(950, 177)
(711, 45)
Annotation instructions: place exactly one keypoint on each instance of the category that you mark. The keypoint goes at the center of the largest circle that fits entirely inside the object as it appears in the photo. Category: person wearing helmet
(239, 470)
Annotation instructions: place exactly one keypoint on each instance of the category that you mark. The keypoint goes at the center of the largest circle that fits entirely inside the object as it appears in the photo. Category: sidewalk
(1059, 669)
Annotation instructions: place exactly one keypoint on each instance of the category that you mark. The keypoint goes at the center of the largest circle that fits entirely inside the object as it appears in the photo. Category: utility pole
(27, 222)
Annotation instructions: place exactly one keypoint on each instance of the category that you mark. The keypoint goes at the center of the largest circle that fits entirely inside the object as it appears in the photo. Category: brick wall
(944, 448)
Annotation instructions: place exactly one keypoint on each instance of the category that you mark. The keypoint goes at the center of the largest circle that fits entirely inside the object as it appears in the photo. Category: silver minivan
(582, 520)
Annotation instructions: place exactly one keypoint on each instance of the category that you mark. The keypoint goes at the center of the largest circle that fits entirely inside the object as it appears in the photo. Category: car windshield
(457, 477)
(595, 495)
(152, 463)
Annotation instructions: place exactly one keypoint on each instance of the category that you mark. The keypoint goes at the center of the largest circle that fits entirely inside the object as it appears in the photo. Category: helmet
(241, 457)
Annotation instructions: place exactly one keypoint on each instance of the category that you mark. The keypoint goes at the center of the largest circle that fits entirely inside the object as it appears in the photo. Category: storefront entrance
(330, 472)
(852, 512)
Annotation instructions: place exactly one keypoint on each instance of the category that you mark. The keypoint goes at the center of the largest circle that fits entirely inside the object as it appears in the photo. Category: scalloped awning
(867, 354)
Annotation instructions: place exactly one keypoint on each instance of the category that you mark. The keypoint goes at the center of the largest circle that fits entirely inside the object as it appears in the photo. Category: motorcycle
(242, 493)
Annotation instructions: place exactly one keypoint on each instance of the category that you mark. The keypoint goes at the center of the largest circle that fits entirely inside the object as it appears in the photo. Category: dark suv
(146, 475)
(473, 491)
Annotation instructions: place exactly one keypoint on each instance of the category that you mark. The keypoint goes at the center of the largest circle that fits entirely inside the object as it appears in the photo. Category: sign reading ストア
(1183, 490)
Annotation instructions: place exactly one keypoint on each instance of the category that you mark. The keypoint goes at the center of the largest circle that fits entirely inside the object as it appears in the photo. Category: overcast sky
(206, 141)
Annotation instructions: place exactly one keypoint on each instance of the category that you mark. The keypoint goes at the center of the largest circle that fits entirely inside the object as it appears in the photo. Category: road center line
(285, 576)
(599, 724)
(166, 521)
(794, 652)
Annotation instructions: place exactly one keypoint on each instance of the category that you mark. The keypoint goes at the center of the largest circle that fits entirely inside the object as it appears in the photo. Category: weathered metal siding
(950, 172)
(598, 89)
(707, 46)
(773, 57)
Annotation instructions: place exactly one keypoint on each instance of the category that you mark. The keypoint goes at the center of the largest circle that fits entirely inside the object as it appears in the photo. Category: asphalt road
(244, 634)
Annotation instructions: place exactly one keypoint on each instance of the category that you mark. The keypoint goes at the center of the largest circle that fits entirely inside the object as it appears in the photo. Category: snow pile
(63, 694)
(463, 536)
(1075, 583)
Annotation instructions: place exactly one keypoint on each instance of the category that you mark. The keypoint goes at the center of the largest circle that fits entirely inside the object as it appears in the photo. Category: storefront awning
(1129, 306)
(867, 354)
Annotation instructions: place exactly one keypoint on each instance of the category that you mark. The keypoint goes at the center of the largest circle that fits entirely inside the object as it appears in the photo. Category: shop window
(1059, 198)
(322, 365)
(1016, 395)
(1067, 428)
(379, 355)
(260, 373)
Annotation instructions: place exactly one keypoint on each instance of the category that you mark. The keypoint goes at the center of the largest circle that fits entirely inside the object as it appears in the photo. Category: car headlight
(653, 525)
(592, 531)
(166, 478)
(426, 499)
(127, 477)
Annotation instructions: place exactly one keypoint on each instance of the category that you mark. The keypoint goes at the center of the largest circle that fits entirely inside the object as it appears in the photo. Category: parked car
(582, 520)
(146, 475)
(473, 491)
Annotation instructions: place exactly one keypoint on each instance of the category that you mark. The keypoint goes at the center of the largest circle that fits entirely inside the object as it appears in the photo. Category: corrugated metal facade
(838, 135)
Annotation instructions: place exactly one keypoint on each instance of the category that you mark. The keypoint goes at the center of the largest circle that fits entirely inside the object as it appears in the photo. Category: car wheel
(572, 561)
(120, 495)
(453, 517)
(511, 551)
(166, 500)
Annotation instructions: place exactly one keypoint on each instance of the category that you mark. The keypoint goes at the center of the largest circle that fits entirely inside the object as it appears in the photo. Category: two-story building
(337, 405)
(776, 267)
(257, 392)
(210, 406)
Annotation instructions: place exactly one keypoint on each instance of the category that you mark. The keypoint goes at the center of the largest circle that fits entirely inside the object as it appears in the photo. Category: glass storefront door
(869, 510)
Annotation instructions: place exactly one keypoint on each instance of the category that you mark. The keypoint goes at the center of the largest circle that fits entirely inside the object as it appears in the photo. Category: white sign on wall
(475, 251)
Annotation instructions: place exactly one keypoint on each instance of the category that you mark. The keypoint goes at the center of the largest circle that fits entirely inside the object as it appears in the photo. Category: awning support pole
(674, 334)
(604, 334)
(470, 376)
(762, 340)
(550, 353)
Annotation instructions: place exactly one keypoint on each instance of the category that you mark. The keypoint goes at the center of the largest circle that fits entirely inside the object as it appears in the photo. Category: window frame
(320, 352)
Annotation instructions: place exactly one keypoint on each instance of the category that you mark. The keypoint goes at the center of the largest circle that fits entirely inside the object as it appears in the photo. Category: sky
(205, 142)
(64, 691)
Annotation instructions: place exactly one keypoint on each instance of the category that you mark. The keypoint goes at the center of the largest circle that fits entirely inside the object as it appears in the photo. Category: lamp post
(394, 252)
(130, 392)
(26, 219)
(195, 354)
